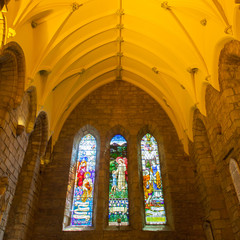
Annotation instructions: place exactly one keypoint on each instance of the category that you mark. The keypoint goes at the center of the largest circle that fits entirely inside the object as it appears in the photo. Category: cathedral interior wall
(121, 108)
(200, 196)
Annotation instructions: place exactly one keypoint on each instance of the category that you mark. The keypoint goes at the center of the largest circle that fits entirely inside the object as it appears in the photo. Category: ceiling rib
(167, 7)
(120, 40)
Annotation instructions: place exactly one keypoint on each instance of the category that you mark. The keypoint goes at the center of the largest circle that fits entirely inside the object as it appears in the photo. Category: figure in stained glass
(152, 184)
(114, 181)
(121, 169)
(81, 170)
(82, 206)
(118, 187)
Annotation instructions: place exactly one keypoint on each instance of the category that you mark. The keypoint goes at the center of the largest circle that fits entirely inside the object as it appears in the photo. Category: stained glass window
(118, 187)
(82, 205)
(152, 183)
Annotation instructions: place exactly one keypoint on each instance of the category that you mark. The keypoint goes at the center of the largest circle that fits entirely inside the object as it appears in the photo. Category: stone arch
(42, 131)
(235, 174)
(226, 103)
(20, 220)
(207, 179)
(26, 112)
(12, 75)
(32, 93)
(87, 129)
(229, 69)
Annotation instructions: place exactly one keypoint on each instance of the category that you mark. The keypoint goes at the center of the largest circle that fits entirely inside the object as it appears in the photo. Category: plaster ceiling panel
(153, 44)
(13, 10)
(170, 41)
(152, 58)
(62, 102)
(68, 88)
(177, 117)
(146, 56)
(164, 51)
(70, 103)
(37, 41)
(174, 94)
(91, 10)
(150, 10)
(99, 68)
(145, 72)
(41, 11)
(228, 8)
(77, 78)
(204, 31)
(78, 34)
(99, 43)
(93, 57)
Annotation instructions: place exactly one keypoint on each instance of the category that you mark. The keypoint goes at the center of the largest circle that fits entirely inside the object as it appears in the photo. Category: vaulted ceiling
(170, 49)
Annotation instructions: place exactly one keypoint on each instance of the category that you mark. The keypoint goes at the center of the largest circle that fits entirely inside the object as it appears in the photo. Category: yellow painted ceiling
(170, 49)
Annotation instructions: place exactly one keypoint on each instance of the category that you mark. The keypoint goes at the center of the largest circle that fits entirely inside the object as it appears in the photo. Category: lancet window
(152, 183)
(118, 186)
(83, 187)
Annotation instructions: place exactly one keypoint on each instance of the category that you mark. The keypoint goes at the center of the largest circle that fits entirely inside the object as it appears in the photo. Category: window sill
(118, 228)
(162, 228)
(77, 229)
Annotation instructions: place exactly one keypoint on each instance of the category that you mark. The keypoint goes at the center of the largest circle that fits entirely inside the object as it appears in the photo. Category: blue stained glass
(152, 183)
(118, 186)
(82, 207)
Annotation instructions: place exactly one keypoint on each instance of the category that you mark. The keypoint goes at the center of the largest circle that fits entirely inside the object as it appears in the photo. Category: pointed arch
(118, 182)
(80, 199)
(154, 205)
(32, 93)
(12, 75)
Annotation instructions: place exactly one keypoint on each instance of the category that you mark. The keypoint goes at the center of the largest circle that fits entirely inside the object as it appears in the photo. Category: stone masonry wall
(121, 108)
(12, 151)
(208, 182)
(223, 129)
(19, 224)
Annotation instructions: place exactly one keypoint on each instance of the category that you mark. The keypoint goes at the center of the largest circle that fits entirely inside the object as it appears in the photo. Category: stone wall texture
(12, 151)
(199, 190)
(121, 108)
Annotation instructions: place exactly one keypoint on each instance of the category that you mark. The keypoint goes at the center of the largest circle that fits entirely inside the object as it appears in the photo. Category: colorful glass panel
(152, 183)
(118, 187)
(82, 207)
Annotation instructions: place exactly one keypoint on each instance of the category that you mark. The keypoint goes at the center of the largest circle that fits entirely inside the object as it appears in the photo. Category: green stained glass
(118, 186)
